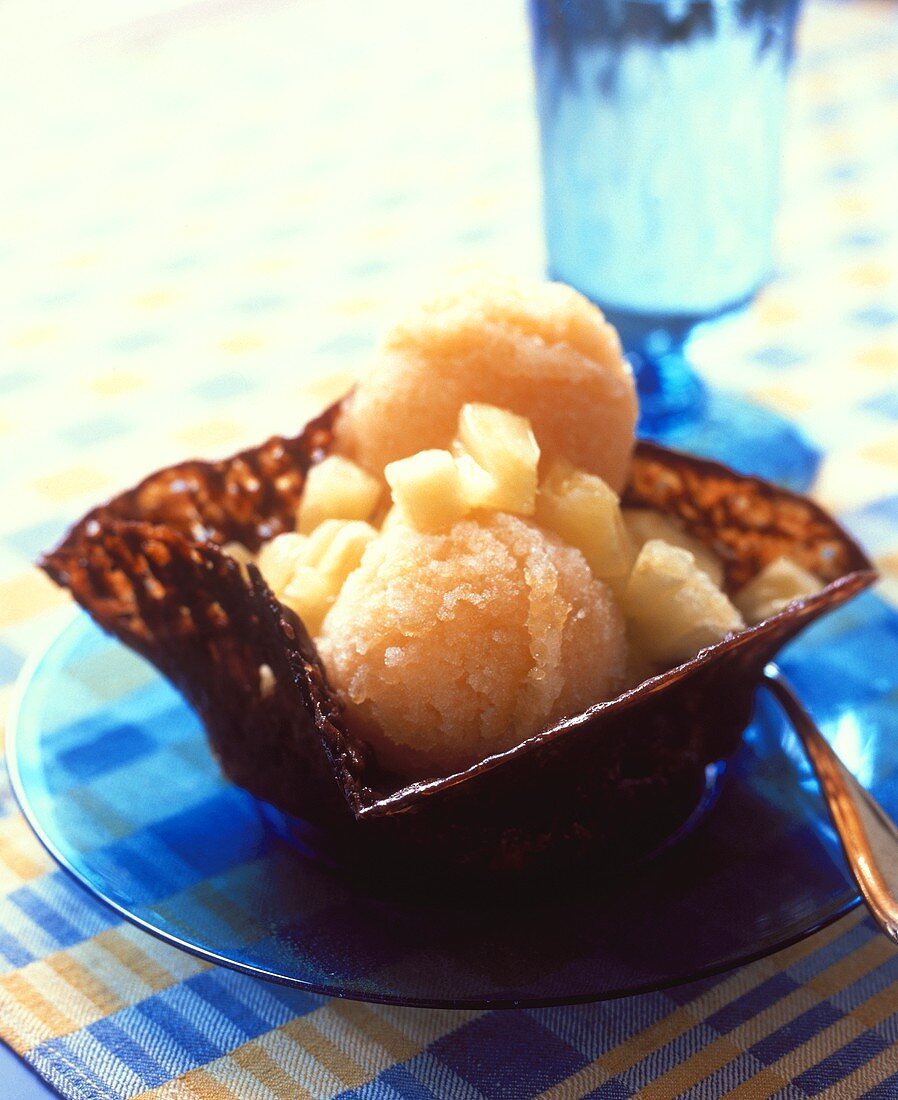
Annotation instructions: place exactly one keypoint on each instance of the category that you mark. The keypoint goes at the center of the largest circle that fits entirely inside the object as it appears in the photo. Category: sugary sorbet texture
(450, 646)
(540, 350)
(505, 588)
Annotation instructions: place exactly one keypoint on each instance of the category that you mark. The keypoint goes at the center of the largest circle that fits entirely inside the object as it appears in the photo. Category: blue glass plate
(112, 770)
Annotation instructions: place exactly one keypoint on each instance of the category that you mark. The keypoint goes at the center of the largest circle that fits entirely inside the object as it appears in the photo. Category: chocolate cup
(607, 782)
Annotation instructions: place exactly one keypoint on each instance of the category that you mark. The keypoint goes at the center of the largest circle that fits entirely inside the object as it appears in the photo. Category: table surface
(210, 211)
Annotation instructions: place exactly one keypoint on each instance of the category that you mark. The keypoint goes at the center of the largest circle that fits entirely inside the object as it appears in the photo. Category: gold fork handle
(869, 838)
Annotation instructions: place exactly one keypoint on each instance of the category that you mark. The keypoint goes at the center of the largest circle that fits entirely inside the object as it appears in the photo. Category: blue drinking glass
(660, 125)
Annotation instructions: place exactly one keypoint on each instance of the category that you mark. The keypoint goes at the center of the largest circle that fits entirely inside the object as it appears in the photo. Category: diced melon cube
(645, 523)
(503, 445)
(279, 557)
(319, 542)
(394, 518)
(310, 594)
(336, 546)
(345, 551)
(427, 489)
(479, 488)
(585, 512)
(306, 572)
(336, 488)
(777, 585)
(673, 608)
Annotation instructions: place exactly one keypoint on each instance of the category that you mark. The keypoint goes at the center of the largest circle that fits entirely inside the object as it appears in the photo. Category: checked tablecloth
(208, 210)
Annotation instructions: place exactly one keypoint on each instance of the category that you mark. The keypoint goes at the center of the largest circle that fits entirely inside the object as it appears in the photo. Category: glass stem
(670, 392)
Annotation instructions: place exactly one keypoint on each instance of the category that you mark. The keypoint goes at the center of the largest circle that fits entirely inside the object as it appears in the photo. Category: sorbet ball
(541, 350)
(449, 647)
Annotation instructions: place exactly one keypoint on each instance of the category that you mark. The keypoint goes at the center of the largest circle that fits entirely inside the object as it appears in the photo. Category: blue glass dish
(112, 770)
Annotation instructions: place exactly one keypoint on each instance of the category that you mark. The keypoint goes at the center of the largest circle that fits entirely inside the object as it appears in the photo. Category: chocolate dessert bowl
(604, 785)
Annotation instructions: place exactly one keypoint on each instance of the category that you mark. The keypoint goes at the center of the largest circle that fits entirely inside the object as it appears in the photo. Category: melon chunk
(306, 572)
(585, 512)
(310, 594)
(395, 517)
(427, 489)
(504, 447)
(776, 586)
(336, 488)
(344, 551)
(673, 608)
(279, 558)
(478, 486)
(646, 523)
